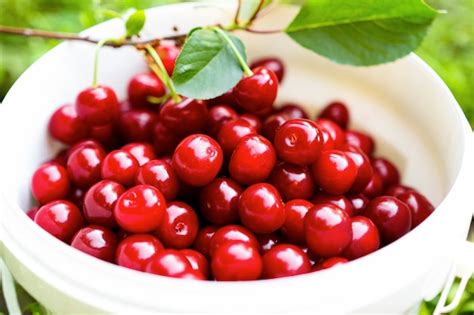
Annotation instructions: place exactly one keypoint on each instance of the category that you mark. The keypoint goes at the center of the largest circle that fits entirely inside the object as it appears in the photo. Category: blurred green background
(449, 48)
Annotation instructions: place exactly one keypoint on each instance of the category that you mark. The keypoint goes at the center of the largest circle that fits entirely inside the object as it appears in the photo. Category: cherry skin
(32, 212)
(261, 208)
(185, 117)
(419, 206)
(328, 230)
(272, 123)
(360, 140)
(60, 218)
(391, 216)
(268, 241)
(334, 172)
(197, 260)
(285, 260)
(76, 196)
(334, 131)
(96, 241)
(120, 166)
(164, 140)
(252, 161)
(219, 201)
(254, 121)
(168, 262)
(168, 54)
(236, 261)
(84, 166)
(387, 171)
(97, 106)
(83, 144)
(179, 226)
(364, 168)
(191, 275)
(256, 93)
(197, 160)
(293, 111)
(140, 209)
(232, 233)
(66, 126)
(375, 187)
(365, 238)
(143, 85)
(293, 228)
(329, 263)
(397, 190)
(142, 152)
(161, 175)
(274, 64)
(336, 112)
(359, 203)
(100, 201)
(137, 125)
(292, 181)
(298, 141)
(50, 182)
(105, 134)
(232, 132)
(218, 116)
(338, 200)
(226, 98)
(136, 251)
(202, 243)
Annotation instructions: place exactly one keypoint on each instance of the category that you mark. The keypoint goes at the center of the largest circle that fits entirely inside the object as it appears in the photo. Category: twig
(251, 30)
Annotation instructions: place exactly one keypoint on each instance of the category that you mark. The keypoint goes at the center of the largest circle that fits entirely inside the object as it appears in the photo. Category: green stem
(96, 60)
(237, 54)
(163, 74)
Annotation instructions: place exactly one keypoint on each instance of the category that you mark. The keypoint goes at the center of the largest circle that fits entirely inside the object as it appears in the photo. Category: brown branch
(251, 30)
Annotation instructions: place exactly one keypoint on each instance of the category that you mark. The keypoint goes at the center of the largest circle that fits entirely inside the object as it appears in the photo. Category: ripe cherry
(140, 209)
(136, 251)
(161, 175)
(218, 116)
(419, 206)
(137, 125)
(219, 201)
(272, 123)
(227, 98)
(76, 196)
(292, 181)
(168, 54)
(197, 160)
(232, 132)
(66, 126)
(252, 161)
(285, 260)
(328, 230)
(120, 166)
(99, 203)
(364, 169)
(261, 208)
(191, 275)
(338, 200)
(97, 106)
(143, 85)
(397, 190)
(185, 117)
(360, 140)
(164, 140)
(232, 233)
(50, 182)
(168, 262)
(329, 263)
(334, 172)
(202, 243)
(105, 135)
(274, 64)
(142, 152)
(254, 121)
(365, 238)
(84, 166)
(60, 218)
(96, 241)
(268, 241)
(387, 171)
(293, 228)
(334, 131)
(359, 203)
(32, 212)
(197, 260)
(375, 187)
(336, 112)
(293, 111)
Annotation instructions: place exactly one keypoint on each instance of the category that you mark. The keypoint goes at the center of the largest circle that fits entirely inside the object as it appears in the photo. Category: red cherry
(360, 140)
(50, 182)
(197, 260)
(261, 208)
(76, 196)
(236, 261)
(337, 112)
(298, 141)
(232, 133)
(256, 93)
(219, 201)
(364, 169)
(65, 125)
(365, 238)
(142, 152)
(359, 203)
(136, 251)
(252, 161)
(268, 241)
(32, 212)
(140, 209)
(143, 85)
(60, 157)
(391, 216)
(218, 116)
(125, 106)
(60, 218)
(97, 106)
(254, 121)
(137, 125)
(327, 230)
(83, 144)
(387, 171)
(419, 206)
(179, 225)
(329, 263)
(274, 64)
(202, 243)
(164, 140)
(292, 111)
(232, 233)
(105, 134)
(191, 275)
(161, 175)
(334, 131)
(226, 98)
(168, 262)
(272, 123)
(293, 228)
(168, 54)
(96, 241)
(120, 166)
(334, 172)
(285, 260)
(84, 165)
(397, 190)
(338, 200)
(185, 117)
(292, 181)
(100, 201)
(197, 160)
(375, 187)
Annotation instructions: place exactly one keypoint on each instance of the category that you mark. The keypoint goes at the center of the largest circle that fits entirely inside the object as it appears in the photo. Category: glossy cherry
(185, 117)
(140, 209)
(272, 123)
(143, 152)
(137, 125)
(254, 121)
(387, 171)
(161, 175)
(232, 233)
(420, 207)
(218, 116)
(66, 126)
(99, 203)
(96, 241)
(268, 241)
(84, 166)
(292, 181)
(360, 140)
(253, 160)
(359, 203)
(197, 160)
(232, 133)
(197, 260)
(120, 166)
(338, 200)
(191, 275)
(168, 262)
(202, 243)
(333, 131)
(272, 63)
(337, 112)
(293, 228)
(293, 111)
(60, 218)
(136, 251)
(105, 135)
(375, 186)
(143, 85)
(364, 168)
(164, 140)
(329, 263)
(168, 54)
(397, 190)
(219, 201)
(50, 182)
(285, 260)
(365, 238)
(97, 106)
(334, 172)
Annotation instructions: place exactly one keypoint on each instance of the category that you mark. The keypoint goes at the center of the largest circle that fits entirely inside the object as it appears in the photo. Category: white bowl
(417, 123)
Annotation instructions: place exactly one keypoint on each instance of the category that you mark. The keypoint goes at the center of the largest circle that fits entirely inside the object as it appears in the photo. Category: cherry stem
(236, 52)
(100, 44)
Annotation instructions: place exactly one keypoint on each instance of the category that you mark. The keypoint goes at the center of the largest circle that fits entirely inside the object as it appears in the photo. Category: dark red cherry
(391, 216)
(219, 201)
(197, 260)
(120, 166)
(66, 126)
(397, 190)
(420, 207)
(100, 201)
(254, 121)
(84, 166)
(142, 86)
(232, 132)
(232, 233)
(387, 171)
(292, 181)
(142, 152)
(293, 228)
(285, 260)
(161, 175)
(32, 212)
(271, 125)
(97, 106)
(202, 243)
(375, 187)
(253, 160)
(83, 144)
(60, 157)
(105, 135)
(292, 111)
(136, 251)
(168, 54)
(337, 112)
(334, 172)
(272, 63)
(96, 241)
(256, 93)
(50, 182)
(364, 168)
(360, 140)
(268, 241)
(334, 131)
(365, 238)
(164, 140)
(218, 116)
(338, 200)
(76, 196)
(329, 263)
(185, 117)
(137, 125)
(359, 203)
(168, 262)
(60, 218)
(197, 160)
(226, 98)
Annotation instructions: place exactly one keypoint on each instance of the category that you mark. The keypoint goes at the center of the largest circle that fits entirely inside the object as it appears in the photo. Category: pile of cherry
(226, 189)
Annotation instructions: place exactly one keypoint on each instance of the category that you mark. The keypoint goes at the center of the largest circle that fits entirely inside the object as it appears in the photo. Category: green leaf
(364, 32)
(207, 67)
(135, 23)
(248, 9)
